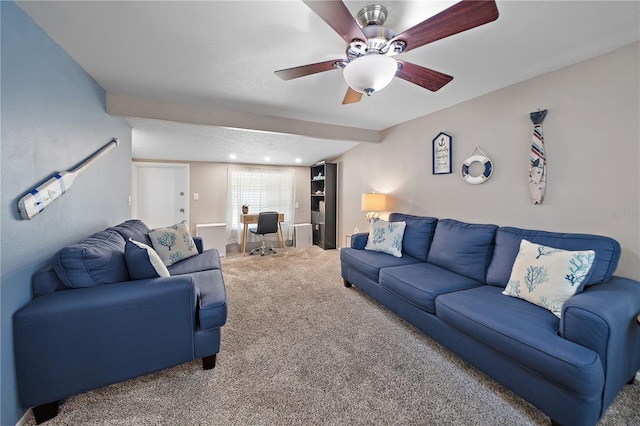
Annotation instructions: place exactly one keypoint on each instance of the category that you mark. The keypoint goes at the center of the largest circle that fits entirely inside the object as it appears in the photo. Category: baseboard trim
(23, 419)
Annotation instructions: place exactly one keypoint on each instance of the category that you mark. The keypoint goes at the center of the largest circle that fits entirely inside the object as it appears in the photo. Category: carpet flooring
(301, 349)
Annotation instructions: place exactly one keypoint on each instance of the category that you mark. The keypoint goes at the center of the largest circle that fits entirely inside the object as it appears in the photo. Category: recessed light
(232, 156)
(267, 158)
(298, 160)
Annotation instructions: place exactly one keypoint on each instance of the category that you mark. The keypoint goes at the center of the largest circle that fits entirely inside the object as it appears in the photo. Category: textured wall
(591, 136)
(53, 117)
(209, 180)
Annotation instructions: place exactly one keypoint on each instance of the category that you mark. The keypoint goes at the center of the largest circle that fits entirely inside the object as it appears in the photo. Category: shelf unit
(323, 204)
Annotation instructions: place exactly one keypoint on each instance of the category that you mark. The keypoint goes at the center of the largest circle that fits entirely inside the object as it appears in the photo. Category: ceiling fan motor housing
(375, 14)
(371, 18)
(358, 76)
(377, 43)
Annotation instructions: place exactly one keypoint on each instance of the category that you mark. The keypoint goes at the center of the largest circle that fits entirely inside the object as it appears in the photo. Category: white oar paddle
(35, 201)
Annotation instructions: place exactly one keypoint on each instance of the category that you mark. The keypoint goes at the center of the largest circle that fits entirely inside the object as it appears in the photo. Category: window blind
(262, 189)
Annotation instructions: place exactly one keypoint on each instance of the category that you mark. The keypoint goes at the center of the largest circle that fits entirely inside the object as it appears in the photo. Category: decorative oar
(538, 161)
(36, 200)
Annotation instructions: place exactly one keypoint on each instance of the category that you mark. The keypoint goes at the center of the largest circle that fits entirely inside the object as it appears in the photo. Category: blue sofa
(113, 328)
(449, 281)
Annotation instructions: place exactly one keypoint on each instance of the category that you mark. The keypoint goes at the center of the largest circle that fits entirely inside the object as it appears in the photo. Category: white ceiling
(222, 54)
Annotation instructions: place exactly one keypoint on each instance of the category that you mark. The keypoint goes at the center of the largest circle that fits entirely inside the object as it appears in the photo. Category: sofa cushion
(385, 237)
(143, 262)
(173, 243)
(369, 263)
(418, 234)
(98, 259)
(524, 333)
(547, 276)
(464, 248)
(507, 245)
(359, 240)
(134, 229)
(422, 282)
(209, 259)
(46, 281)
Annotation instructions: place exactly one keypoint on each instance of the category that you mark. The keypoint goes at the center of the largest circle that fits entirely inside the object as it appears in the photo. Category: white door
(160, 193)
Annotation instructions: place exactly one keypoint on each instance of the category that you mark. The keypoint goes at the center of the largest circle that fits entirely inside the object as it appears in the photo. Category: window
(263, 189)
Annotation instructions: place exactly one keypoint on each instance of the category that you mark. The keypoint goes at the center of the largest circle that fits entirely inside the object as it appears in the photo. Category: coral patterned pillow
(386, 237)
(548, 276)
(173, 243)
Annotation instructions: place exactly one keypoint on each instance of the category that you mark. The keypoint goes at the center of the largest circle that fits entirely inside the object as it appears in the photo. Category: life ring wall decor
(487, 170)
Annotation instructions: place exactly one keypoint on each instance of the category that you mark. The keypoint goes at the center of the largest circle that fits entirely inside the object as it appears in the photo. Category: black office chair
(267, 224)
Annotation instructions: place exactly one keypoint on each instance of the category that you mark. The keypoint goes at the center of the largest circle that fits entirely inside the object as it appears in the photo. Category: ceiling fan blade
(336, 14)
(351, 97)
(301, 71)
(423, 77)
(458, 18)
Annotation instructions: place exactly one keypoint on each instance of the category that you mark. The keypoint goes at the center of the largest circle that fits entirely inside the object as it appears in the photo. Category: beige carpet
(301, 349)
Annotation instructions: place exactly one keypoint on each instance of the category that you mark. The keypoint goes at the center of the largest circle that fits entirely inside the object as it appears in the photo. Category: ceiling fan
(370, 66)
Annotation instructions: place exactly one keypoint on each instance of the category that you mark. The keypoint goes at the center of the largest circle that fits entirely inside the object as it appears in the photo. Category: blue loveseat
(110, 327)
(449, 282)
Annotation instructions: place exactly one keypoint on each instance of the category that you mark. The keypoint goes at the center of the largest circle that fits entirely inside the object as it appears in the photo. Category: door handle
(181, 210)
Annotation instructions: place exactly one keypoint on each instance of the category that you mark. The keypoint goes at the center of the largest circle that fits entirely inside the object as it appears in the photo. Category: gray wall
(592, 141)
(53, 117)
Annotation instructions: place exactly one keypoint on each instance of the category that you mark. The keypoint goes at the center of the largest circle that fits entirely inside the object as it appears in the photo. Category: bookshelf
(323, 204)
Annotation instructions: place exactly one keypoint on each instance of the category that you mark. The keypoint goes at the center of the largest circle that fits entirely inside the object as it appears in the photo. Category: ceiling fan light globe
(370, 73)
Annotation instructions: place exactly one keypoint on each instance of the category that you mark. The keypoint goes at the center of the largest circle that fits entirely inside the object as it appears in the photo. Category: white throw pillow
(548, 276)
(386, 237)
(173, 243)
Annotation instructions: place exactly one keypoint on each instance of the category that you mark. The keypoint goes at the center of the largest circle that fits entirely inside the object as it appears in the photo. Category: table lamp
(373, 203)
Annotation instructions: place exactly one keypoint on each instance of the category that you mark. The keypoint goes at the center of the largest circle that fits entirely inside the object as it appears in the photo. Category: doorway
(160, 193)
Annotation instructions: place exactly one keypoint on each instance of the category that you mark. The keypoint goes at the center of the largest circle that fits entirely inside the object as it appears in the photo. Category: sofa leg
(208, 362)
(346, 283)
(633, 379)
(45, 412)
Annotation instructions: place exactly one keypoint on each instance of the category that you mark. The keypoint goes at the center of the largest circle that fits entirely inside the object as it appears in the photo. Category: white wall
(593, 150)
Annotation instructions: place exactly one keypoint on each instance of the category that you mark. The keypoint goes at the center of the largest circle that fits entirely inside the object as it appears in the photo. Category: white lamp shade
(370, 73)
(373, 202)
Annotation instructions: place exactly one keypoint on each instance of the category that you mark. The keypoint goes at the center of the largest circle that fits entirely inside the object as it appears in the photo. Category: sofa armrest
(199, 244)
(603, 319)
(70, 341)
(359, 241)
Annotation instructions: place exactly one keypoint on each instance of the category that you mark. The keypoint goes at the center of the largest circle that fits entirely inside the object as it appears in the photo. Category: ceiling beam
(132, 106)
